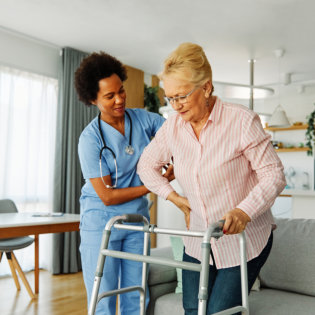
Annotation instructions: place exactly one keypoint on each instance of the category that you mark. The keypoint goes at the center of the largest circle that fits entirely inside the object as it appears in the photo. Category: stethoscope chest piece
(129, 150)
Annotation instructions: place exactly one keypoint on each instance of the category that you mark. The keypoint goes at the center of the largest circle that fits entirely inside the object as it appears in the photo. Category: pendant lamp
(279, 117)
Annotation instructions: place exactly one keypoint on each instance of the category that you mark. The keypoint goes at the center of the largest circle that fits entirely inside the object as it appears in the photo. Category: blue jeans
(224, 286)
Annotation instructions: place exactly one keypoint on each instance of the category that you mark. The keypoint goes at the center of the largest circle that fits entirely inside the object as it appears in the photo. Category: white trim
(28, 37)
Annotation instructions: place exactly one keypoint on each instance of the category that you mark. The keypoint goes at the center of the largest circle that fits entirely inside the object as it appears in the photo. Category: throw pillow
(256, 285)
(178, 249)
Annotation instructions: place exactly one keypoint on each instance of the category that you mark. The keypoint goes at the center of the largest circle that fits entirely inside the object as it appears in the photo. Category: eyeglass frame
(178, 99)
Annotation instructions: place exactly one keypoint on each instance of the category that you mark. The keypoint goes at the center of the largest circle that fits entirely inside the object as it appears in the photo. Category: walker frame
(214, 230)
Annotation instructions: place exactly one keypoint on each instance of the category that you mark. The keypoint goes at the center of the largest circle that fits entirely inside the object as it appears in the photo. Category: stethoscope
(129, 149)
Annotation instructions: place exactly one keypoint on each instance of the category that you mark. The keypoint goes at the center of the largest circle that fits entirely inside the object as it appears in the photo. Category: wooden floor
(58, 295)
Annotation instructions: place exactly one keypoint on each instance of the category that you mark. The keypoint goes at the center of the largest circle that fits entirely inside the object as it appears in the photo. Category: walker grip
(221, 224)
(217, 229)
(133, 218)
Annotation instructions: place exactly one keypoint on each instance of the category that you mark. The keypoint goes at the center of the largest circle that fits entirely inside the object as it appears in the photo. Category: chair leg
(15, 278)
(22, 276)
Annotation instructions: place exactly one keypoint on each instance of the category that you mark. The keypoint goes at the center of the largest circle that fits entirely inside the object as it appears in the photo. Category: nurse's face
(111, 98)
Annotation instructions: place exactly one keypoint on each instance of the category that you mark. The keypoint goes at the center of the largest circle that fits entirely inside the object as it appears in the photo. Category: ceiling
(141, 33)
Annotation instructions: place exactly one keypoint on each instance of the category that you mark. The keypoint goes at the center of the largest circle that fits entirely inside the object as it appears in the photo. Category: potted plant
(310, 132)
(151, 99)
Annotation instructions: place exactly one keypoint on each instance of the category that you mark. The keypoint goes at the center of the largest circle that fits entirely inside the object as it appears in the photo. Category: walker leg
(204, 278)
(202, 307)
(93, 301)
(144, 273)
(244, 276)
(98, 273)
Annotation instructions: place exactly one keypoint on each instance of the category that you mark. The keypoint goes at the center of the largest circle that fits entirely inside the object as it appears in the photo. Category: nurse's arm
(114, 196)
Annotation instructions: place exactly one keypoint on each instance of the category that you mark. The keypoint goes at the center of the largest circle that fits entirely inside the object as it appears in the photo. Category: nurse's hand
(235, 221)
(169, 174)
(182, 203)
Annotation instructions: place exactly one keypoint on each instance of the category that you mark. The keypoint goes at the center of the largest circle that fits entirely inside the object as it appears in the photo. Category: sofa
(287, 280)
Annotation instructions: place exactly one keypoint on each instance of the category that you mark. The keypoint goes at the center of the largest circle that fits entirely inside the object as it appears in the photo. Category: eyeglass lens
(181, 99)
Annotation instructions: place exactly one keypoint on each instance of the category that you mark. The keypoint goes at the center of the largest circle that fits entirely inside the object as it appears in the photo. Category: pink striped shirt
(232, 165)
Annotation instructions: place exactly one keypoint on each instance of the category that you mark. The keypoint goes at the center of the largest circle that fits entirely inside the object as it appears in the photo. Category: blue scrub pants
(224, 286)
(130, 272)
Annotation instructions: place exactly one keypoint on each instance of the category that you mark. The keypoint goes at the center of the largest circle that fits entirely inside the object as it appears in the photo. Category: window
(28, 106)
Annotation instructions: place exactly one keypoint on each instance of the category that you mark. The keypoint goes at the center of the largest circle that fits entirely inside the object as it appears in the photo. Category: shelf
(293, 127)
(297, 192)
(304, 149)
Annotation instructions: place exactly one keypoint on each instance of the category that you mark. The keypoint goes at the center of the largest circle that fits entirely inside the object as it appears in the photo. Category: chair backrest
(7, 206)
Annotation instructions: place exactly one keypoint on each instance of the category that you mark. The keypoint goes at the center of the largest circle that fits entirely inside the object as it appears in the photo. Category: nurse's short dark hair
(94, 68)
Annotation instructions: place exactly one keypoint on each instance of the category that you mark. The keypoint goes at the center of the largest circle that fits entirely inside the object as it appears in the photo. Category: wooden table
(23, 224)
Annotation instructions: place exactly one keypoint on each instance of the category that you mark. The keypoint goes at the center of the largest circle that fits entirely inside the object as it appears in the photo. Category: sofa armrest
(160, 273)
(162, 279)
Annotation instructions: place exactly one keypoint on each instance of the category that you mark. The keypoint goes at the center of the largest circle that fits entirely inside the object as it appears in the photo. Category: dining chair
(8, 245)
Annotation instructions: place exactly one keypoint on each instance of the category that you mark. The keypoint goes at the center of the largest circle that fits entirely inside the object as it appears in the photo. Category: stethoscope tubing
(105, 147)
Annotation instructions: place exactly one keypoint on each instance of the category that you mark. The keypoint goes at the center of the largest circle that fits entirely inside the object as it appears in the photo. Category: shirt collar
(216, 110)
(215, 113)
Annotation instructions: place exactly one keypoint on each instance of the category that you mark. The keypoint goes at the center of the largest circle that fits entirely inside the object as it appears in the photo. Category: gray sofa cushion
(169, 304)
(291, 263)
(269, 301)
(158, 290)
(160, 273)
(266, 301)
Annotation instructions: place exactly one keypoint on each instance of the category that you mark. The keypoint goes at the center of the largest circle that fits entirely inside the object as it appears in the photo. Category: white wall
(169, 216)
(28, 54)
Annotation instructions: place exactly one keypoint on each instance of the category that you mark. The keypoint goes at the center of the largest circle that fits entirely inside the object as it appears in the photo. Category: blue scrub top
(144, 126)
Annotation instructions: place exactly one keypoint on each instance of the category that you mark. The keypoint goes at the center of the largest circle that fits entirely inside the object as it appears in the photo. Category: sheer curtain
(28, 107)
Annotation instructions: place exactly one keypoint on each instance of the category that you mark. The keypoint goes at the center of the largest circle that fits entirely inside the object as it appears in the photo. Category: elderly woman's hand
(235, 221)
(169, 172)
(182, 203)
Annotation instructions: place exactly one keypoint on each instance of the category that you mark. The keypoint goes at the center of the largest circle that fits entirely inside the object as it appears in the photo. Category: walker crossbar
(232, 310)
(120, 291)
(156, 230)
(152, 260)
(214, 230)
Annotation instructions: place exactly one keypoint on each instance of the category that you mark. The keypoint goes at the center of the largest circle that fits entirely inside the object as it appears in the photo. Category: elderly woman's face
(186, 98)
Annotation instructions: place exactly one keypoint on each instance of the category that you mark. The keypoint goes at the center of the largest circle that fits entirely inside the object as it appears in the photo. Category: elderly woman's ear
(207, 88)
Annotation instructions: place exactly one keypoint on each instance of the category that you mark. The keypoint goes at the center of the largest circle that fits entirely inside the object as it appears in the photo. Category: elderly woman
(227, 168)
(109, 149)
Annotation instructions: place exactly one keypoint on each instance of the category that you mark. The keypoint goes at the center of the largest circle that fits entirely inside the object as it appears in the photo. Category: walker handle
(217, 229)
(221, 224)
(133, 218)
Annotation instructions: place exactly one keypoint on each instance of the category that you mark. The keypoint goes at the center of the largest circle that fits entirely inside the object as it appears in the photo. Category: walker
(214, 230)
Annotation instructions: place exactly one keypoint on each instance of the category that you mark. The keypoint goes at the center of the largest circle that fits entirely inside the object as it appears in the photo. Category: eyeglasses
(182, 99)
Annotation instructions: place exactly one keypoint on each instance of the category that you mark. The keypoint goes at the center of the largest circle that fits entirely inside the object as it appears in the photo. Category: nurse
(109, 149)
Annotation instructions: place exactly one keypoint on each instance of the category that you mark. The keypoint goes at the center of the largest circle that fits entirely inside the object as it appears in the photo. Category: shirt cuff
(165, 191)
(248, 209)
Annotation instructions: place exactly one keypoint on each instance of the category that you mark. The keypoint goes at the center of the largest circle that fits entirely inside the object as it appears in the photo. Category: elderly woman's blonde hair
(188, 62)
